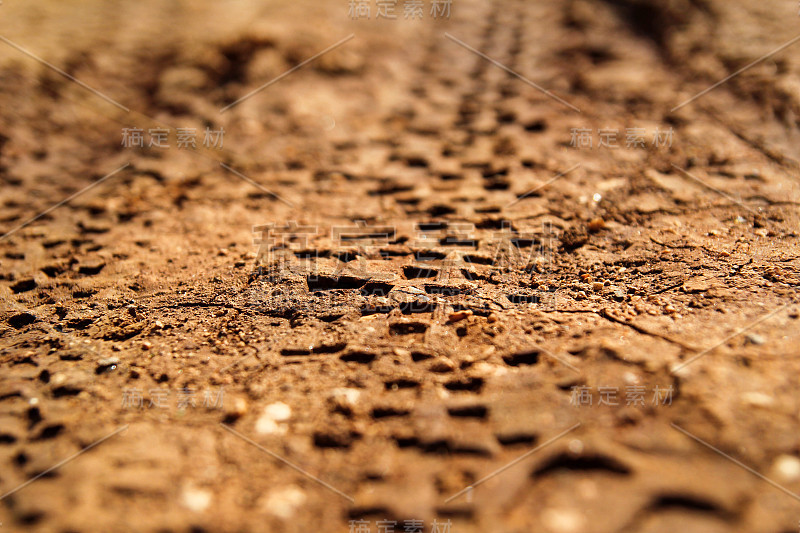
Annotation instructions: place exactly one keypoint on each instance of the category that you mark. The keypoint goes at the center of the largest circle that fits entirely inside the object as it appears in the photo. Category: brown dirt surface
(509, 270)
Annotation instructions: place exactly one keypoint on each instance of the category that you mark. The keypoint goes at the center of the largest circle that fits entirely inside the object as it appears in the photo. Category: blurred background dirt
(496, 266)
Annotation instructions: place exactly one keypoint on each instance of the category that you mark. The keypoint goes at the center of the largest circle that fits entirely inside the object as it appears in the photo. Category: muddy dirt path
(509, 269)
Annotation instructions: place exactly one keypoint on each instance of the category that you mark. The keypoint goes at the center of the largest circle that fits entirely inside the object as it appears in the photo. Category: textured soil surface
(412, 291)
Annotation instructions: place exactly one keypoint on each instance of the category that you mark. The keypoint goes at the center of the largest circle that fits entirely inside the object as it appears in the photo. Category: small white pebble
(758, 399)
(753, 338)
(788, 467)
(483, 369)
(267, 426)
(284, 502)
(563, 520)
(347, 396)
(196, 499)
(575, 446)
(238, 409)
(278, 411)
